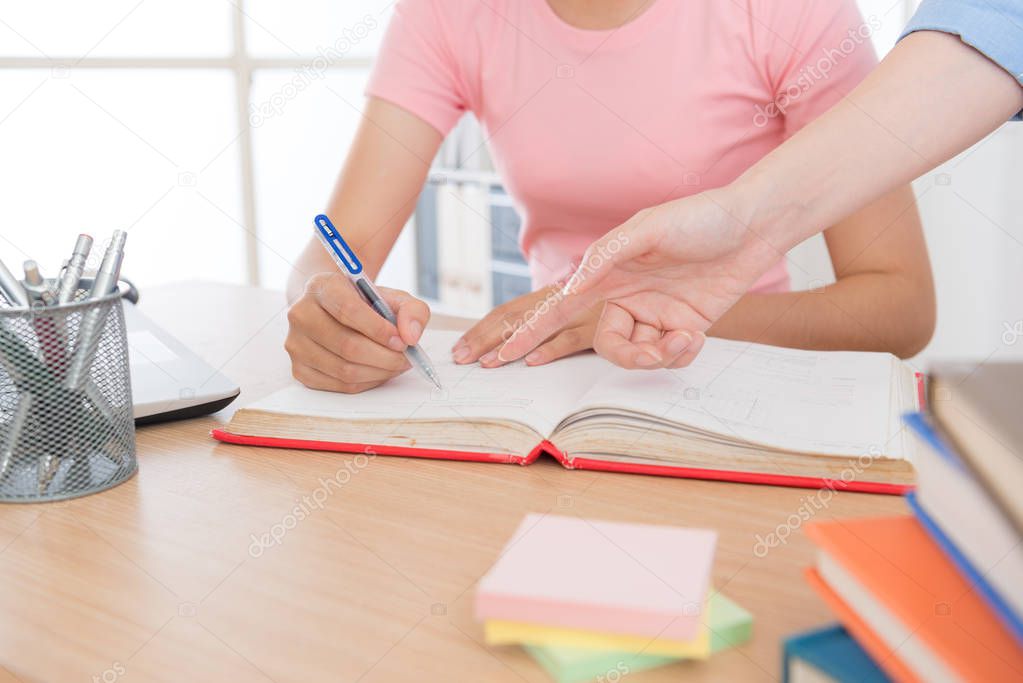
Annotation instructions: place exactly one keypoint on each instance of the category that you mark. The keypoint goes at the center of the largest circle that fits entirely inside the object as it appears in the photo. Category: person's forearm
(864, 312)
(376, 191)
(931, 97)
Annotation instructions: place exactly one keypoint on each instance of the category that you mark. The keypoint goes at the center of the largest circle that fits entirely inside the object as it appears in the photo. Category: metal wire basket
(66, 425)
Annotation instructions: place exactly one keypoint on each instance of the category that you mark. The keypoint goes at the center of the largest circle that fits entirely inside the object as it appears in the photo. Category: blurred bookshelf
(467, 230)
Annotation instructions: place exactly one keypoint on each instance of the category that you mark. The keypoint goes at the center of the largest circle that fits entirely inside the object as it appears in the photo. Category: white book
(970, 518)
(740, 411)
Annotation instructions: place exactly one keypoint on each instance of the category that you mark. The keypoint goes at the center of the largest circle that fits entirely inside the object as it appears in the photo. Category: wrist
(776, 217)
(757, 221)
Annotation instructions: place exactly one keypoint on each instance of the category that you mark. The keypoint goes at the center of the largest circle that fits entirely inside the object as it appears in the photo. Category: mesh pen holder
(66, 422)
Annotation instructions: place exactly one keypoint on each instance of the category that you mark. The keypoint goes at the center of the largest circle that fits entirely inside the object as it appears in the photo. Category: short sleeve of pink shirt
(811, 54)
(417, 68)
(588, 127)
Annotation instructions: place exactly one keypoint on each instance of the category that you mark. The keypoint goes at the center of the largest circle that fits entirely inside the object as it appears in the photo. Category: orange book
(868, 640)
(907, 603)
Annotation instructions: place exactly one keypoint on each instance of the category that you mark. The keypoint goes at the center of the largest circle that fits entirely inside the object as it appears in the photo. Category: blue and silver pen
(350, 265)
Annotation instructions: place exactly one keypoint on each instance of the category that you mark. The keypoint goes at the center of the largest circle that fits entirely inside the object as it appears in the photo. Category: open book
(740, 412)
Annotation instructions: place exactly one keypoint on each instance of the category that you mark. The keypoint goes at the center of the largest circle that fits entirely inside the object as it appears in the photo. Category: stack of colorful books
(593, 599)
(938, 595)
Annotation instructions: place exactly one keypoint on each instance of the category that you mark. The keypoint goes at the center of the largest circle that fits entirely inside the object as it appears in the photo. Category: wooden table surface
(164, 578)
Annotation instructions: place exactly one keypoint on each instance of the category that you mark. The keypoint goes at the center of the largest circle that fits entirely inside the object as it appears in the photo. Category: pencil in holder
(66, 421)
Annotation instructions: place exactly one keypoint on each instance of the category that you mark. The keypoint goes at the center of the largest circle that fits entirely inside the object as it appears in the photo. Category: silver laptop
(168, 381)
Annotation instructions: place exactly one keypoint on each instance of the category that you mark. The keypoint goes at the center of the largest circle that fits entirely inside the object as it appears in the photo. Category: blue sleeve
(992, 27)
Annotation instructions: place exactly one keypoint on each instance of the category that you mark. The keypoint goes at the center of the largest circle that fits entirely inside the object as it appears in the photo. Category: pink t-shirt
(588, 127)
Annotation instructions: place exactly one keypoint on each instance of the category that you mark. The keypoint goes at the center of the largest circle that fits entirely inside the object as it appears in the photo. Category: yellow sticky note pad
(498, 632)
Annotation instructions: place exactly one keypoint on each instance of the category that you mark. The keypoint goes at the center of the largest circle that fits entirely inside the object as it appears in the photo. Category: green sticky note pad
(730, 625)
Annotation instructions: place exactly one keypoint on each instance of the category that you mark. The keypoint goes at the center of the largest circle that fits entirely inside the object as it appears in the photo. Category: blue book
(1005, 613)
(828, 653)
(944, 481)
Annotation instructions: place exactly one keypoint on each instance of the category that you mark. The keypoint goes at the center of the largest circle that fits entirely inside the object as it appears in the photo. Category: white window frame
(242, 67)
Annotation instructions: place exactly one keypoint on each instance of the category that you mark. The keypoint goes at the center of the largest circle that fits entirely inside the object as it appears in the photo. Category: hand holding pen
(339, 342)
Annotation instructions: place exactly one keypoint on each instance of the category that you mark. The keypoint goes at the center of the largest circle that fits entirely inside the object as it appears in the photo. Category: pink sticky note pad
(628, 579)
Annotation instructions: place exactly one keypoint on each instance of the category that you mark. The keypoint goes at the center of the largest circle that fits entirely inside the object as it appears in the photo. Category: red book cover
(577, 463)
(569, 463)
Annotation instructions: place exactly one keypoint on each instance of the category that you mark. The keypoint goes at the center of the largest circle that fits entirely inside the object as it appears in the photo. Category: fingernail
(458, 344)
(488, 358)
(416, 328)
(647, 359)
(396, 343)
(461, 354)
(679, 343)
(534, 357)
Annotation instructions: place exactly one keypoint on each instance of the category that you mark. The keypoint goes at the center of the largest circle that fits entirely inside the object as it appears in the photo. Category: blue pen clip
(338, 245)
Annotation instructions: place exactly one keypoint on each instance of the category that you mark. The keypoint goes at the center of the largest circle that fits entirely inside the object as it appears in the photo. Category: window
(210, 130)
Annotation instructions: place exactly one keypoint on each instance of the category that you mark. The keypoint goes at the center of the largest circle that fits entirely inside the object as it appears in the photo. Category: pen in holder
(66, 422)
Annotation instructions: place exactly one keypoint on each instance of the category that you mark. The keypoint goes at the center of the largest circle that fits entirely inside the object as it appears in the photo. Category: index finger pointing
(550, 316)
(617, 247)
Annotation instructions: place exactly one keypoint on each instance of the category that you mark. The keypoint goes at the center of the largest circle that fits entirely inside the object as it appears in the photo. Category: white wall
(972, 212)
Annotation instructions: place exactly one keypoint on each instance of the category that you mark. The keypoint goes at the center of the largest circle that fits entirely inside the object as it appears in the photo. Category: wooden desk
(159, 580)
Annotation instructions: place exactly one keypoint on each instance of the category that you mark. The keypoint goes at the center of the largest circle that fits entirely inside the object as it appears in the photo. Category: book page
(539, 397)
(836, 403)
